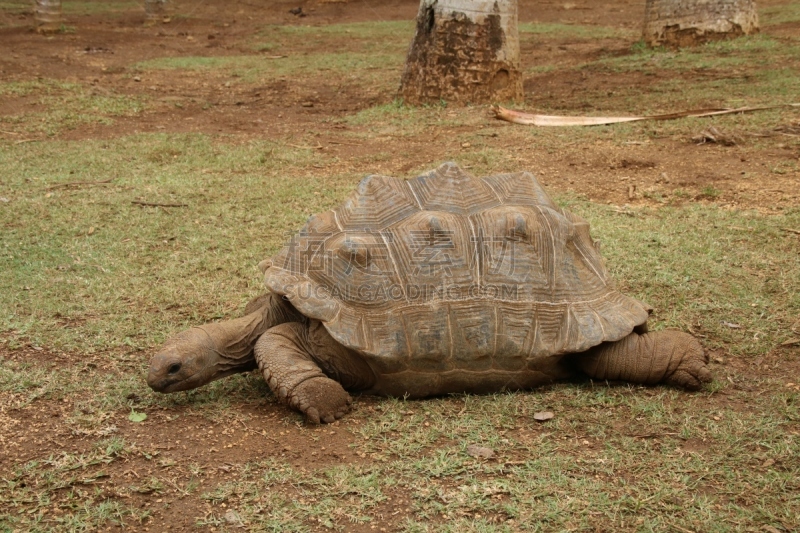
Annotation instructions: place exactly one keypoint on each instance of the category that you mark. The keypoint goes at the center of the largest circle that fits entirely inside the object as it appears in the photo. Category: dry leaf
(137, 417)
(543, 416)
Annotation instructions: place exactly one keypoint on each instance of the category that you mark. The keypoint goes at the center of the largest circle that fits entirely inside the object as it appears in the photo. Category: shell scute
(449, 272)
(451, 189)
(377, 202)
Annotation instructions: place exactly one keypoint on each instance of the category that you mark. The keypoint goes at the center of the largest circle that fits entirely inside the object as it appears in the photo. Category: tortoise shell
(450, 271)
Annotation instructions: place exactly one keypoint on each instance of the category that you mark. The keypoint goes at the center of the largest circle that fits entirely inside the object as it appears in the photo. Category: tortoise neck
(234, 340)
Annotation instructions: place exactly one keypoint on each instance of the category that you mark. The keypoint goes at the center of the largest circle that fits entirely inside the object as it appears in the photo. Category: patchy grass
(50, 107)
(754, 255)
(61, 486)
(363, 37)
(572, 32)
(81, 257)
(720, 55)
(94, 282)
(255, 69)
(82, 7)
(779, 14)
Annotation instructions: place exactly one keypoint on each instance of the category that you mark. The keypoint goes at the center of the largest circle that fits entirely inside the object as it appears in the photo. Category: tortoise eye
(173, 368)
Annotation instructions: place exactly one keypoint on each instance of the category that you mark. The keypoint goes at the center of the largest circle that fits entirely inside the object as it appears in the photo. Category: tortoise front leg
(670, 357)
(284, 357)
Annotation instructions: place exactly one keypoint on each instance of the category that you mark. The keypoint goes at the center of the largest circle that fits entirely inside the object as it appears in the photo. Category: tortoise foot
(692, 371)
(321, 399)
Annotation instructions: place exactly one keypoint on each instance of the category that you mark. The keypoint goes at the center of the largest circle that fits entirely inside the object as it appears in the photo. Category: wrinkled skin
(206, 353)
(191, 359)
(311, 373)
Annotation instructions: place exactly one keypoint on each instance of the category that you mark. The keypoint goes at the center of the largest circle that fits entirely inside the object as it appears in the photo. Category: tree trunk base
(463, 56)
(154, 11)
(678, 23)
(47, 14)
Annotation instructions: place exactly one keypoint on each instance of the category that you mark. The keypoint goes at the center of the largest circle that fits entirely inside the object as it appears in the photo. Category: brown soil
(102, 50)
(100, 53)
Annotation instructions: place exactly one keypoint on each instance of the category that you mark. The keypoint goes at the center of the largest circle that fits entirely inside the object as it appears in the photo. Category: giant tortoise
(440, 284)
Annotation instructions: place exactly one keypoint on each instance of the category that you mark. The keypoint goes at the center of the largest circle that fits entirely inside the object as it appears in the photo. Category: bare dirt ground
(103, 50)
(100, 53)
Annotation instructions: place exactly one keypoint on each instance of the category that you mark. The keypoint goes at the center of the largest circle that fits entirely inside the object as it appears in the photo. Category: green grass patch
(86, 262)
(93, 282)
(374, 31)
(651, 81)
(720, 55)
(251, 69)
(89, 270)
(54, 106)
(779, 14)
(82, 7)
(388, 37)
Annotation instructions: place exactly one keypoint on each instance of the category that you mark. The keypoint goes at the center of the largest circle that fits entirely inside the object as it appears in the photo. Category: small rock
(465, 145)
(4, 200)
(480, 451)
(307, 104)
(232, 517)
(543, 416)
(137, 78)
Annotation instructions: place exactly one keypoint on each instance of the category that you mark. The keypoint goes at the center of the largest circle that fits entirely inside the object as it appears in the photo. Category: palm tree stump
(47, 14)
(464, 51)
(154, 11)
(689, 22)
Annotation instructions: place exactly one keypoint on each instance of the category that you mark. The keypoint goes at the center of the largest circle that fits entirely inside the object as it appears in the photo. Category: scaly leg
(286, 357)
(670, 357)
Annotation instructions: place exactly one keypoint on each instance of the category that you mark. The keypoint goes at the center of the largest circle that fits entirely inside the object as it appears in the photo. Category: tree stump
(464, 51)
(154, 11)
(678, 23)
(47, 14)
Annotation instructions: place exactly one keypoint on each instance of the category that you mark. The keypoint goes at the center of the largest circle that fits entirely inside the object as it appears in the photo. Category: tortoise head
(201, 355)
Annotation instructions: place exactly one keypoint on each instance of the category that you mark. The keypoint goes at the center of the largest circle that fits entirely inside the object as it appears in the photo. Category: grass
(79, 277)
(360, 37)
(61, 485)
(257, 69)
(719, 55)
(93, 283)
(573, 32)
(80, 246)
(54, 107)
(779, 14)
(84, 7)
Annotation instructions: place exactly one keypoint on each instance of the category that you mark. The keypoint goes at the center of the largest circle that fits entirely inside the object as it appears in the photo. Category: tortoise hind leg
(284, 356)
(670, 357)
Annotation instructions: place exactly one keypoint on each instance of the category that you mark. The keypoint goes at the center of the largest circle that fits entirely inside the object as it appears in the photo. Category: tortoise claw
(321, 399)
